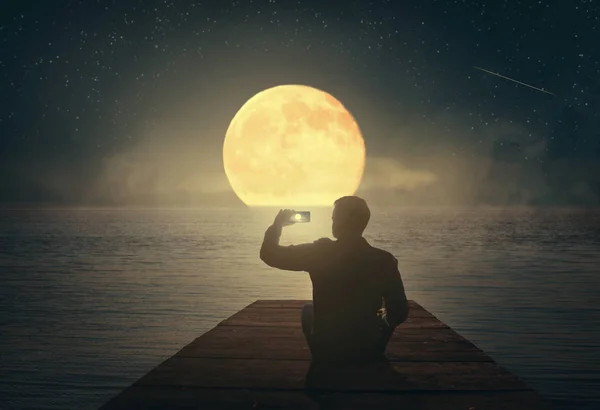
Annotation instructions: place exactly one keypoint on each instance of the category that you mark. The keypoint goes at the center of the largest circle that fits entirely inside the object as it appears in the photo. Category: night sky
(127, 102)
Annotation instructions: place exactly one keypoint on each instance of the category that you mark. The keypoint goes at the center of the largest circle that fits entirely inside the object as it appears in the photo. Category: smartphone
(300, 217)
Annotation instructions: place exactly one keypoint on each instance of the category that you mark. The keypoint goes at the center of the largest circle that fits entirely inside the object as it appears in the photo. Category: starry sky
(127, 102)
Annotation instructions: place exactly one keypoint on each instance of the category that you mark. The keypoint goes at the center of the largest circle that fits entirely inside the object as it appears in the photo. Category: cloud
(444, 161)
(169, 164)
(388, 173)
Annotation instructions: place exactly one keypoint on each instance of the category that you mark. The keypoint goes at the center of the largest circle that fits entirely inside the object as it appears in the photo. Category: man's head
(350, 217)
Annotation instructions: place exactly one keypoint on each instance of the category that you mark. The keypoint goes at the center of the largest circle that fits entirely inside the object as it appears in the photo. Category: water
(92, 300)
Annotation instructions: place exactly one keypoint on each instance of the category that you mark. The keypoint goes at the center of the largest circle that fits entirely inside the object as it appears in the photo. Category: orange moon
(293, 145)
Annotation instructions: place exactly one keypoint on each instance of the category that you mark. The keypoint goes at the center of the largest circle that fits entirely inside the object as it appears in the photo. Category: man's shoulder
(384, 255)
(323, 242)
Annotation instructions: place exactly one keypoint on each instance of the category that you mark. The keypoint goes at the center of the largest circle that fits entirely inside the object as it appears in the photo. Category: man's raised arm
(294, 257)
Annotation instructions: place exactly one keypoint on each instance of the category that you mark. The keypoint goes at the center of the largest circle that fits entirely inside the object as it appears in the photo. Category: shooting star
(518, 82)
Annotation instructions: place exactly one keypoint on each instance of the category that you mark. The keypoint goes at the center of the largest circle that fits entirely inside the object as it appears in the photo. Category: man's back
(351, 283)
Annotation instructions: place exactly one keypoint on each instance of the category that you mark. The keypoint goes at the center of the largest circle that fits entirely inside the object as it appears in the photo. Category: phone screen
(301, 217)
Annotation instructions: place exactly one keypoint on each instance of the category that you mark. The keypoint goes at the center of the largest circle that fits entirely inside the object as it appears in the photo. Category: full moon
(293, 145)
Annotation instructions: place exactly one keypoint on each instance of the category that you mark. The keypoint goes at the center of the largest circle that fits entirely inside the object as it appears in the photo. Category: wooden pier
(258, 359)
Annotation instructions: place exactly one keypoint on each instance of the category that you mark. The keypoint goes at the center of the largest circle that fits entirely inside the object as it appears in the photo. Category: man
(358, 294)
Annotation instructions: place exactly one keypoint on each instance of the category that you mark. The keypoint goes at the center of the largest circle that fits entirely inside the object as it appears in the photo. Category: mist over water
(92, 300)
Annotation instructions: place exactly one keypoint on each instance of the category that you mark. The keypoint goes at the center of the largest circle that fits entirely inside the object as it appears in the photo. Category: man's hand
(284, 218)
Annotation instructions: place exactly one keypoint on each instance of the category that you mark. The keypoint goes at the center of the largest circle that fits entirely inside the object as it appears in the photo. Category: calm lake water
(92, 300)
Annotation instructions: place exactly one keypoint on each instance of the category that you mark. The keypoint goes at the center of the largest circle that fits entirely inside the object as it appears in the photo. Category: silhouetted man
(358, 294)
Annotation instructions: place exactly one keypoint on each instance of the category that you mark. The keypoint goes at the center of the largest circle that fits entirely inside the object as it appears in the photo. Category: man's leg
(384, 338)
(308, 318)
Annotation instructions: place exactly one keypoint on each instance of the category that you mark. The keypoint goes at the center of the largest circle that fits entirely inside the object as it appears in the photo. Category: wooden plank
(428, 335)
(243, 319)
(431, 335)
(416, 310)
(279, 304)
(296, 313)
(295, 303)
(151, 398)
(289, 318)
(292, 374)
(279, 343)
(258, 358)
(402, 351)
